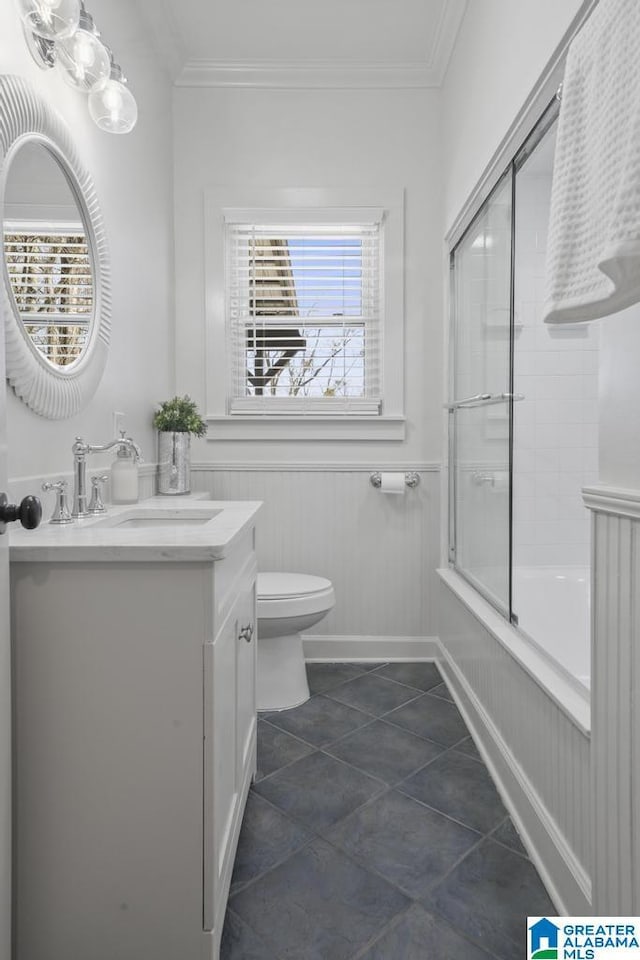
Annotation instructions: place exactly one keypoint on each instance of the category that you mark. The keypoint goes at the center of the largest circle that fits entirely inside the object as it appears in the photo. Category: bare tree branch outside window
(50, 276)
(321, 355)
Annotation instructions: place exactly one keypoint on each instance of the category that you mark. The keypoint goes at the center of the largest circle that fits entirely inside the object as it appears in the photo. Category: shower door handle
(482, 400)
(468, 401)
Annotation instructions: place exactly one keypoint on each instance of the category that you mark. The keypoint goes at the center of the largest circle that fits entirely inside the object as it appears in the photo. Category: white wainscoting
(537, 755)
(615, 698)
(380, 551)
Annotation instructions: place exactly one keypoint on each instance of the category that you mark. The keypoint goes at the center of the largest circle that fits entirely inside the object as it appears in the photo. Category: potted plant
(176, 420)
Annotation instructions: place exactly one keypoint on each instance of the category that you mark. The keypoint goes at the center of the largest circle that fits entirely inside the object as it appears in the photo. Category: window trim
(305, 204)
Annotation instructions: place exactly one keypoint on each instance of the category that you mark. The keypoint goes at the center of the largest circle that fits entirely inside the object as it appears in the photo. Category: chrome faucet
(81, 449)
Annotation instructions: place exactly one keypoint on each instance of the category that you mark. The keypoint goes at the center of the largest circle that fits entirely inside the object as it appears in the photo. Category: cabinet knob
(28, 512)
(246, 633)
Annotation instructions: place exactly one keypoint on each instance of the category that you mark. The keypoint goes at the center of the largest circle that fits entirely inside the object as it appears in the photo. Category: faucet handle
(95, 503)
(61, 510)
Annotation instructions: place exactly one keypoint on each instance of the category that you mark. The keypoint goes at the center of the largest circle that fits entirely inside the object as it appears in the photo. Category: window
(303, 313)
(51, 280)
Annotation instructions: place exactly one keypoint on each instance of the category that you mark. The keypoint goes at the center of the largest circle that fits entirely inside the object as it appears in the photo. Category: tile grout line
(274, 866)
(315, 697)
(379, 716)
(461, 823)
(491, 836)
(388, 927)
(493, 955)
(257, 935)
(339, 683)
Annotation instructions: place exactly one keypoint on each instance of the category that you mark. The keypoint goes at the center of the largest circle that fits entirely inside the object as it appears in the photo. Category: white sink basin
(149, 519)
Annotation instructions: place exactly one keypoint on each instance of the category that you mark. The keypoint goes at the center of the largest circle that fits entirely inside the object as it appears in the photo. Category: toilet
(287, 604)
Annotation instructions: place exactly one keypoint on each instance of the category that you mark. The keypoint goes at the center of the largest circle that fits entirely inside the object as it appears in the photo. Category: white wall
(133, 178)
(501, 50)
(316, 138)
(383, 576)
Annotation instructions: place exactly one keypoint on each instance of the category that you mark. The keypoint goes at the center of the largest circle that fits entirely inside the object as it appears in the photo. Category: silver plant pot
(174, 461)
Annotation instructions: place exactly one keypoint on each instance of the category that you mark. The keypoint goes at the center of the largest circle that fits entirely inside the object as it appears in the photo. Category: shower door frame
(535, 135)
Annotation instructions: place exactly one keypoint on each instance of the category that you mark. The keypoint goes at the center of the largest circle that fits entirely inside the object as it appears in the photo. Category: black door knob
(28, 512)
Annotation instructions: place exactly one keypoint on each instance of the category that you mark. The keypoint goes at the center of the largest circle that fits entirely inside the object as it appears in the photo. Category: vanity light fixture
(62, 32)
(82, 58)
(50, 19)
(113, 107)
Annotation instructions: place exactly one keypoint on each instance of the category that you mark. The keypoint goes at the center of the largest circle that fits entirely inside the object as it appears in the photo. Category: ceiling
(305, 42)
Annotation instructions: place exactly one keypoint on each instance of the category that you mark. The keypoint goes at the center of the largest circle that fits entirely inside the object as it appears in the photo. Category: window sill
(305, 428)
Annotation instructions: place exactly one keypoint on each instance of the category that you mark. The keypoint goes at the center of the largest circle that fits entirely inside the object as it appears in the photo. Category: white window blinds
(304, 317)
(52, 285)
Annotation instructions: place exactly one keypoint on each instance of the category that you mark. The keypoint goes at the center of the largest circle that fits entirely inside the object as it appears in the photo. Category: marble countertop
(100, 539)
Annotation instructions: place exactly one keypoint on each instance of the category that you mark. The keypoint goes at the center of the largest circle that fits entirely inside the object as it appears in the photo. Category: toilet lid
(280, 586)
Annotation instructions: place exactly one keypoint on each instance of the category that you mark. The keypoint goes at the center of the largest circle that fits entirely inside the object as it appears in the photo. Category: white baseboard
(332, 649)
(566, 881)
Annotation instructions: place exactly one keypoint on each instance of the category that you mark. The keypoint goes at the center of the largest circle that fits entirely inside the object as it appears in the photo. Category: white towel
(593, 251)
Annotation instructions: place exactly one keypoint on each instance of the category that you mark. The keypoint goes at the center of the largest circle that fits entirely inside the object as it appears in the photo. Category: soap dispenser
(124, 475)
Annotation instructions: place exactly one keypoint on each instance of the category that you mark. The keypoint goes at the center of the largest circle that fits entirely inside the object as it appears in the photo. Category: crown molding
(308, 74)
(169, 42)
(451, 17)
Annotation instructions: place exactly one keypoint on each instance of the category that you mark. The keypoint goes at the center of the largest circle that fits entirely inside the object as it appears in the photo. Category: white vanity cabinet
(135, 746)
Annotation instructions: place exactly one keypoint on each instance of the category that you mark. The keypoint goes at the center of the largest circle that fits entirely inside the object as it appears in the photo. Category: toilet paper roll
(393, 483)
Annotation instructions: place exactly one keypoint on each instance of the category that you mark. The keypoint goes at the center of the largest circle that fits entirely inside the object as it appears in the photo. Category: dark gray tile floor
(374, 831)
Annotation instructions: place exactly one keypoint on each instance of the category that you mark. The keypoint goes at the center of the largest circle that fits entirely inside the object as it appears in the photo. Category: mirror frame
(53, 392)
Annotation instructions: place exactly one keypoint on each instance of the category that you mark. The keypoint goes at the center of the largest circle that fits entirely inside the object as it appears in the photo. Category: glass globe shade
(113, 107)
(50, 19)
(83, 60)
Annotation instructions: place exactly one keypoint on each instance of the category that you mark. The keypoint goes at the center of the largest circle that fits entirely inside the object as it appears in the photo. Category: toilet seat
(281, 586)
(292, 594)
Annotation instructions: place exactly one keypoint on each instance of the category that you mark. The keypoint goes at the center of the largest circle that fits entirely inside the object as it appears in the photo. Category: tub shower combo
(522, 420)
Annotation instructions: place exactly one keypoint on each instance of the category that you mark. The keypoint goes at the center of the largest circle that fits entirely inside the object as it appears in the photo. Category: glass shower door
(480, 406)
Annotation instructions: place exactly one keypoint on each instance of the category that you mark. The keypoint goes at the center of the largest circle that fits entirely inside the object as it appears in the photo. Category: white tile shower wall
(556, 425)
(380, 551)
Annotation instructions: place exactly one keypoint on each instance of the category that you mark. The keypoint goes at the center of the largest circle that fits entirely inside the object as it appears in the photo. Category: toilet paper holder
(412, 479)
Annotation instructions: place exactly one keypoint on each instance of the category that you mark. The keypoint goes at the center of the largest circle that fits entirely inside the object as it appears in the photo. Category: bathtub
(551, 640)
(552, 605)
